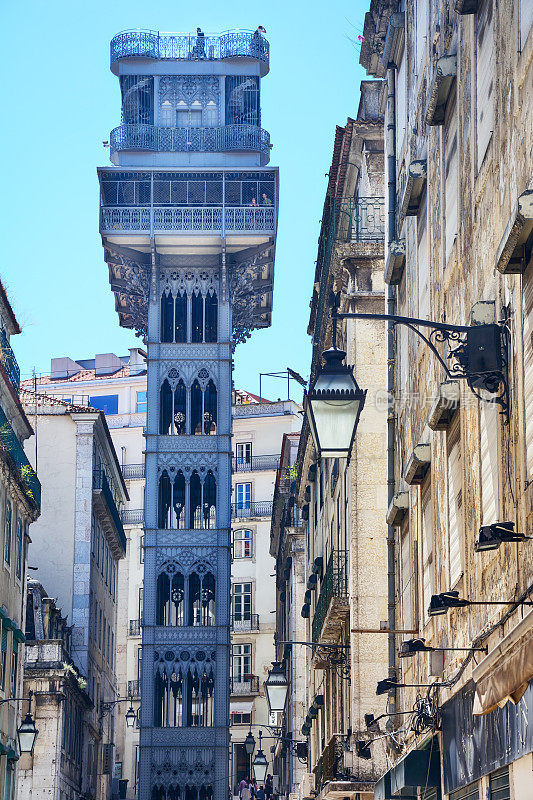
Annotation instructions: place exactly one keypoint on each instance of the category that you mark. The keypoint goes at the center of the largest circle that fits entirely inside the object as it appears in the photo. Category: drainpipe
(391, 356)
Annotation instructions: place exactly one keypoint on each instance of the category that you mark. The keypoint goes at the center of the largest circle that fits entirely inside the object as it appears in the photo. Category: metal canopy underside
(249, 275)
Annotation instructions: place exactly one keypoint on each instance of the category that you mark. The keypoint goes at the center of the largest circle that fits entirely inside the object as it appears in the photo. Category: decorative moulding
(513, 253)
(418, 464)
(395, 263)
(441, 87)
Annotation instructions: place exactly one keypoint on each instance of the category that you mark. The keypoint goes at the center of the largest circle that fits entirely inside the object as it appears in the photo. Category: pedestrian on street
(242, 785)
(260, 794)
(268, 787)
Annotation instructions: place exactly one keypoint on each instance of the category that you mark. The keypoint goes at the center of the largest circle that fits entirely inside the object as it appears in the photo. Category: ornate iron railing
(134, 689)
(334, 584)
(101, 484)
(9, 362)
(176, 219)
(213, 139)
(362, 219)
(135, 627)
(245, 685)
(188, 46)
(132, 516)
(259, 508)
(327, 765)
(244, 622)
(133, 471)
(256, 463)
(11, 447)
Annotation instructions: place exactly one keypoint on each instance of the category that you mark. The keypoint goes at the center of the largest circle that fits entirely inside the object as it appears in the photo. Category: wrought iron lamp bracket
(494, 381)
(334, 655)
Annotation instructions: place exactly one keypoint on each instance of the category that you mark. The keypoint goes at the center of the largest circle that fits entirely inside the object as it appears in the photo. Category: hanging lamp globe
(249, 743)
(131, 717)
(276, 688)
(260, 765)
(27, 734)
(333, 406)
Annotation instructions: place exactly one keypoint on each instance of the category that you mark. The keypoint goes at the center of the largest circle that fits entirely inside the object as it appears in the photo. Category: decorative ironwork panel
(201, 139)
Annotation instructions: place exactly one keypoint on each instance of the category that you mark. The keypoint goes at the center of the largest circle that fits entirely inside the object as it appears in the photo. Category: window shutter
(427, 548)
(455, 505)
(406, 574)
(527, 312)
(423, 262)
(484, 78)
(489, 420)
(450, 159)
(4, 639)
(400, 104)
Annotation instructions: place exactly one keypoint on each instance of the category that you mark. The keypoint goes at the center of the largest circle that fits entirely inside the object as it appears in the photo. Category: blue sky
(61, 101)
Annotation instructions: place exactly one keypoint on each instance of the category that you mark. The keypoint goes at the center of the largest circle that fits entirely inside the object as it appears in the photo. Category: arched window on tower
(167, 317)
(170, 602)
(203, 409)
(168, 700)
(200, 689)
(180, 324)
(211, 317)
(173, 409)
(201, 598)
(210, 501)
(195, 501)
(171, 504)
(197, 310)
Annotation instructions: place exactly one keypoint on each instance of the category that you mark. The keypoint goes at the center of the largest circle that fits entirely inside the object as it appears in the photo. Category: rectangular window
(470, 792)
(406, 577)
(19, 544)
(499, 786)
(525, 20)
(455, 504)
(242, 602)
(141, 549)
(421, 33)
(108, 403)
(489, 420)
(401, 90)
(427, 547)
(243, 493)
(3, 659)
(7, 534)
(244, 454)
(484, 78)
(141, 403)
(14, 668)
(139, 663)
(527, 321)
(423, 261)
(241, 662)
(242, 544)
(100, 630)
(451, 172)
(238, 718)
(140, 602)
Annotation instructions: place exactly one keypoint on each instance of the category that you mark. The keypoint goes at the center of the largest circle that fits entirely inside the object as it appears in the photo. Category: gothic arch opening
(171, 504)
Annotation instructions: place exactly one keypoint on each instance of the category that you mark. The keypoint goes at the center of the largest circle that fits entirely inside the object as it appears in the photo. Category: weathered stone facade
(458, 91)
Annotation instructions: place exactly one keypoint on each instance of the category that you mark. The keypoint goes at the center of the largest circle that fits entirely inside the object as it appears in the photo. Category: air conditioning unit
(306, 790)
(347, 757)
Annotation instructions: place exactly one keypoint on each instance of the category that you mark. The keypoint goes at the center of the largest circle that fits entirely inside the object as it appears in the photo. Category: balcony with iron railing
(189, 46)
(9, 362)
(135, 627)
(330, 762)
(132, 516)
(243, 623)
(256, 463)
(102, 489)
(186, 219)
(133, 471)
(209, 139)
(362, 219)
(252, 509)
(246, 685)
(332, 605)
(13, 451)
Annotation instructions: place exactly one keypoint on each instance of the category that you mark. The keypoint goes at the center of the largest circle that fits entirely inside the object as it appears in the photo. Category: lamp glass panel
(334, 424)
(26, 736)
(260, 767)
(276, 695)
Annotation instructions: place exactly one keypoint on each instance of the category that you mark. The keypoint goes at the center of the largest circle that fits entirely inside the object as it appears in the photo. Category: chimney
(107, 364)
(137, 361)
(63, 368)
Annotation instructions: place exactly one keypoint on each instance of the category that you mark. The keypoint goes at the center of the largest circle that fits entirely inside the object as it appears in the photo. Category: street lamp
(412, 646)
(131, 716)
(333, 406)
(27, 732)
(441, 603)
(276, 688)
(249, 743)
(260, 763)
(492, 536)
(389, 685)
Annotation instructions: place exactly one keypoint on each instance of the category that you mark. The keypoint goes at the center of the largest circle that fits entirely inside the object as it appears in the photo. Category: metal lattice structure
(189, 242)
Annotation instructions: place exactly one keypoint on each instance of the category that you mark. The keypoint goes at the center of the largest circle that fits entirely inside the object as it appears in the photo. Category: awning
(12, 755)
(418, 769)
(241, 707)
(505, 673)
